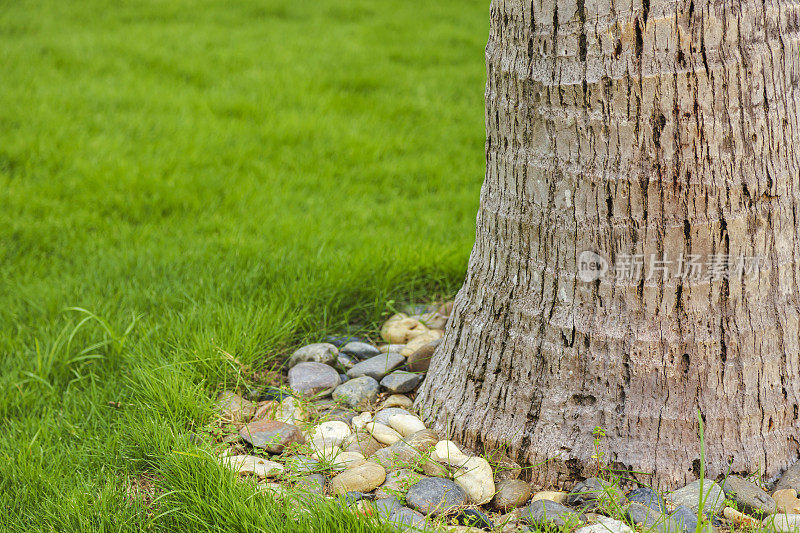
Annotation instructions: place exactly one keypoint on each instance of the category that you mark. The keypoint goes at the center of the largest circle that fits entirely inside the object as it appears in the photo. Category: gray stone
(749, 496)
(384, 507)
(320, 352)
(345, 362)
(435, 496)
(685, 518)
(358, 393)
(405, 519)
(511, 493)
(360, 350)
(338, 415)
(272, 435)
(302, 464)
(383, 416)
(343, 378)
(473, 518)
(313, 483)
(312, 379)
(590, 493)
(649, 497)
(690, 495)
(790, 479)
(639, 513)
(377, 367)
(543, 513)
(401, 381)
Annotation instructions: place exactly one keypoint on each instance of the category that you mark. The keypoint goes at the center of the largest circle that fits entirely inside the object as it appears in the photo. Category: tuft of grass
(187, 179)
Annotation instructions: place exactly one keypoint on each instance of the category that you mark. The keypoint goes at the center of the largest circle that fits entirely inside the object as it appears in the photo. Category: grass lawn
(198, 176)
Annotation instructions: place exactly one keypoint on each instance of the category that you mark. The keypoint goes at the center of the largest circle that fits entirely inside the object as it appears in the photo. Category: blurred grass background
(196, 175)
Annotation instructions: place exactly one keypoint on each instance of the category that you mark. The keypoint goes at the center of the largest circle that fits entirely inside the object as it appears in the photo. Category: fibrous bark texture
(655, 134)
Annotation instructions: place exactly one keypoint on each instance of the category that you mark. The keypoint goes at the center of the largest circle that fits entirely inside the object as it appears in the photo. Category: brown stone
(420, 360)
(271, 435)
(511, 493)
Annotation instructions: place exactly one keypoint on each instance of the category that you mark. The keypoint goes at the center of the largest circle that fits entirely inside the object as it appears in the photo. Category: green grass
(195, 175)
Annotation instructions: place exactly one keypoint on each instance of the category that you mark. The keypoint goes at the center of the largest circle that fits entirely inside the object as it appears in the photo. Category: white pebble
(331, 433)
(447, 452)
(251, 464)
(360, 421)
(476, 478)
(406, 424)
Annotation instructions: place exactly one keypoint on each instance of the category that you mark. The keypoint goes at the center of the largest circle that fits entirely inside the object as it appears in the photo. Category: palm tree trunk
(660, 131)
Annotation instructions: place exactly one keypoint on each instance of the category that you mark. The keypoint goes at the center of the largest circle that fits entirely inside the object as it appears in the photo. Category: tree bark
(632, 128)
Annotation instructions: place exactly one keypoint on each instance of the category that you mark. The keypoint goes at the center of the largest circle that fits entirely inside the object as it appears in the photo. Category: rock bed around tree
(345, 429)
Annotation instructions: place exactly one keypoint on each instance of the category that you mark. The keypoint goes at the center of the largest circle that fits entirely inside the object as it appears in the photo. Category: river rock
(397, 400)
(588, 494)
(302, 464)
(448, 453)
(790, 479)
(474, 518)
(377, 367)
(405, 519)
(344, 460)
(383, 416)
(783, 523)
(362, 477)
(418, 342)
(511, 493)
(422, 440)
(406, 425)
(360, 422)
(341, 340)
(361, 442)
(651, 519)
(338, 415)
(233, 407)
(420, 359)
(271, 435)
(383, 434)
(401, 381)
(544, 513)
(290, 411)
(385, 506)
(400, 329)
(251, 464)
(345, 362)
(685, 518)
(649, 497)
(312, 379)
(475, 477)
(690, 497)
(274, 394)
(331, 433)
(740, 519)
(321, 352)
(786, 501)
(551, 495)
(358, 393)
(312, 483)
(360, 350)
(749, 496)
(605, 524)
(397, 482)
(435, 496)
